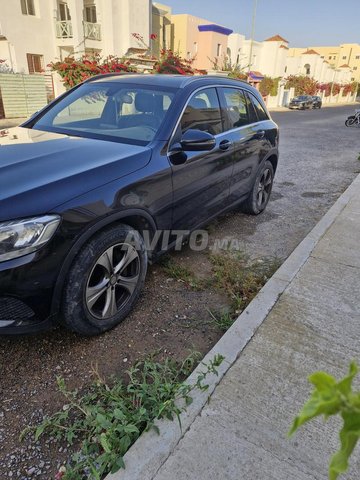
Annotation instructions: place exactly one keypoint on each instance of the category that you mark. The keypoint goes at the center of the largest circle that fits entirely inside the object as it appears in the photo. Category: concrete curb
(150, 452)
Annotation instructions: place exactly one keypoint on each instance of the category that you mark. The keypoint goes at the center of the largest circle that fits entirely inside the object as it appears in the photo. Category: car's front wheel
(261, 190)
(104, 281)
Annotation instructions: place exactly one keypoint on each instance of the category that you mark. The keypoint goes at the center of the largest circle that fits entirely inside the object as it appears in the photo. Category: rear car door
(201, 181)
(246, 133)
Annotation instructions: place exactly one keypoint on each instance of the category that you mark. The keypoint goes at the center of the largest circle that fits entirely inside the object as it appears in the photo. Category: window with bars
(27, 7)
(35, 62)
(90, 14)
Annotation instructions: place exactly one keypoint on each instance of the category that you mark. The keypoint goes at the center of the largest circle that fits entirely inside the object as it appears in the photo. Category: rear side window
(259, 109)
(236, 108)
(203, 113)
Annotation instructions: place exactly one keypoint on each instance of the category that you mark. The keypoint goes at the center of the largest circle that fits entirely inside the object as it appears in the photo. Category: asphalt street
(318, 160)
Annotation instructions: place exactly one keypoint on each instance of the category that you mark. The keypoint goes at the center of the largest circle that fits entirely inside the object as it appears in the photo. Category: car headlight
(20, 237)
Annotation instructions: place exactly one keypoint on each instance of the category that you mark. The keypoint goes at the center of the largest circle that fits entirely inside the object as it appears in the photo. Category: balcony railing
(64, 29)
(92, 31)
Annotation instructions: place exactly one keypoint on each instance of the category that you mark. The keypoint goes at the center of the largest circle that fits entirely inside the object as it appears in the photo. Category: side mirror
(197, 141)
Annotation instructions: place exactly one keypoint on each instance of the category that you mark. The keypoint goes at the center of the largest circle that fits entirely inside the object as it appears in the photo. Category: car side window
(236, 107)
(203, 113)
(260, 111)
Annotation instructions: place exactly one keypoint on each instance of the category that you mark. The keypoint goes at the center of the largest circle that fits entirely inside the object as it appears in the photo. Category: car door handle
(225, 145)
(260, 134)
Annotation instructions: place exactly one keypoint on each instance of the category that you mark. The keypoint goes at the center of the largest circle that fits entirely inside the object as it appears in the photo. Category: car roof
(175, 81)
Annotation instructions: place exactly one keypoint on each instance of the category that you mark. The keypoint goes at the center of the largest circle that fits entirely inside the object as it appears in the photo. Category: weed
(222, 320)
(240, 278)
(109, 417)
(181, 273)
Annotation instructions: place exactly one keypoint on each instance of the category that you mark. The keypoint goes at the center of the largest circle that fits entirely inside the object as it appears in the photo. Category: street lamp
(252, 33)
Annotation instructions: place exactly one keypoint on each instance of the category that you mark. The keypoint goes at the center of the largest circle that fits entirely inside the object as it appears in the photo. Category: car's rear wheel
(104, 281)
(261, 191)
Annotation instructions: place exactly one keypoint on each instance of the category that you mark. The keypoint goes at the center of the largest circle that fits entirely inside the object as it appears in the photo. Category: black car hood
(41, 170)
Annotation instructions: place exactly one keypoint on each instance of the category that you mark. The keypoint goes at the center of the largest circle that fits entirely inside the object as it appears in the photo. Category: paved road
(319, 159)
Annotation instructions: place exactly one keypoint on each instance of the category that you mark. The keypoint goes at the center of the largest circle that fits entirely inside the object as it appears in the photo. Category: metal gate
(22, 95)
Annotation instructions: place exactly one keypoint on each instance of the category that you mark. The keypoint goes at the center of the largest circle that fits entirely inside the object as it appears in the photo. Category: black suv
(97, 184)
(301, 102)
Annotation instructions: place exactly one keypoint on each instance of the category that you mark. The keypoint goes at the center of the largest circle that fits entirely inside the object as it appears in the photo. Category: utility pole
(252, 33)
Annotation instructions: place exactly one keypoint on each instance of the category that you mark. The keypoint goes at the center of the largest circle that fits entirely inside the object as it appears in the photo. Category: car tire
(260, 193)
(104, 281)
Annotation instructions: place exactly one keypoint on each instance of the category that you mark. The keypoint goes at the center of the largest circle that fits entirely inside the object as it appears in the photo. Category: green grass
(222, 319)
(110, 416)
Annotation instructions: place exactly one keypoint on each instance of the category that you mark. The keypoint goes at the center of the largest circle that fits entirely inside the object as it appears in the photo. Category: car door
(246, 133)
(201, 180)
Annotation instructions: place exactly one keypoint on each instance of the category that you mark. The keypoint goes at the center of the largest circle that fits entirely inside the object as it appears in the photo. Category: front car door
(201, 181)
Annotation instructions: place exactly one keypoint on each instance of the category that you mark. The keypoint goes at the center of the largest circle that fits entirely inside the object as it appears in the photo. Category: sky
(303, 23)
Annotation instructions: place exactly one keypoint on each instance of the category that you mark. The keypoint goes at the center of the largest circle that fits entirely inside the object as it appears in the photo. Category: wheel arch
(139, 219)
(273, 159)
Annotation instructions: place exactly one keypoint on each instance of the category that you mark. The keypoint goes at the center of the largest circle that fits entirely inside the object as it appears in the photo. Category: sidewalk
(306, 318)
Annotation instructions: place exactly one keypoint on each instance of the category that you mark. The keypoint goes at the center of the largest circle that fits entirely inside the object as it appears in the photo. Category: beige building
(161, 28)
(311, 62)
(201, 40)
(342, 57)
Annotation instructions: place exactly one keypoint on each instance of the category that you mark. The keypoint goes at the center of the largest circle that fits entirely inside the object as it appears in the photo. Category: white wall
(26, 33)
(236, 48)
(37, 34)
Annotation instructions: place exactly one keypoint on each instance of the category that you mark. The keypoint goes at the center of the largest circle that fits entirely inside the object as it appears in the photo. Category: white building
(309, 62)
(267, 58)
(35, 32)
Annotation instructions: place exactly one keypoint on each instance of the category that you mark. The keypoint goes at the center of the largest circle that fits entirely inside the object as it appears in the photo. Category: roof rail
(106, 75)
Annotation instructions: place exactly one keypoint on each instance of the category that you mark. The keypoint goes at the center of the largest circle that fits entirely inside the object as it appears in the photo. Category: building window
(344, 57)
(195, 48)
(35, 63)
(219, 50)
(27, 7)
(90, 14)
(330, 58)
(285, 69)
(64, 12)
(322, 56)
(353, 78)
(307, 69)
(355, 68)
(357, 57)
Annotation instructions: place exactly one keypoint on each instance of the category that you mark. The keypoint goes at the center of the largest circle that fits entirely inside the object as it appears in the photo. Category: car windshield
(113, 111)
(301, 97)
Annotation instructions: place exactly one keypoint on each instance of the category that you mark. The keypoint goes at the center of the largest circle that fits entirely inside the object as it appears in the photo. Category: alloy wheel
(112, 280)
(264, 188)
